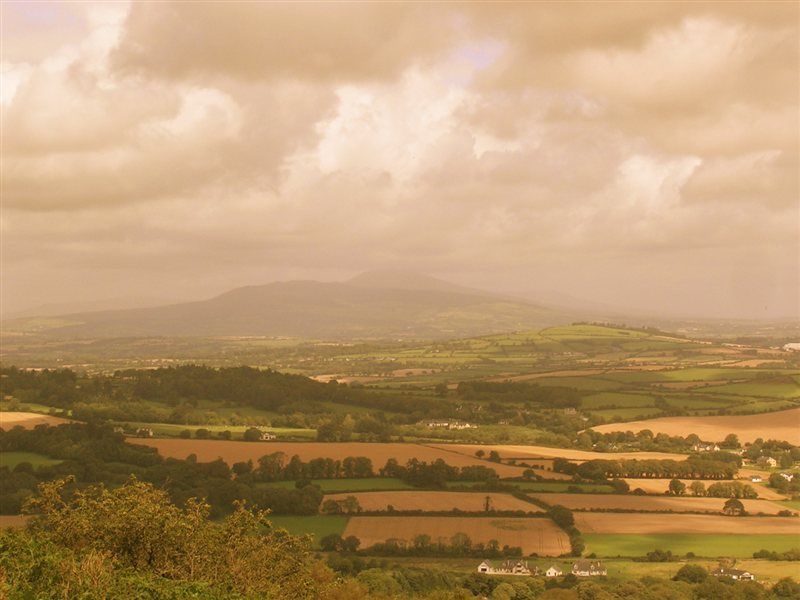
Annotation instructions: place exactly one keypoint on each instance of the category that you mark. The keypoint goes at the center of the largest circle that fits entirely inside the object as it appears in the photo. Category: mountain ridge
(371, 305)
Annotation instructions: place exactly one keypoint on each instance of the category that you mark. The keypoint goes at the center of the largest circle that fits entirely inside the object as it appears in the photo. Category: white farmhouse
(588, 568)
(553, 571)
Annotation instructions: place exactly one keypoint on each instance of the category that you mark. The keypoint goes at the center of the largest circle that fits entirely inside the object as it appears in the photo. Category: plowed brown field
(522, 452)
(233, 451)
(538, 535)
(781, 425)
(437, 501)
(654, 503)
(658, 523)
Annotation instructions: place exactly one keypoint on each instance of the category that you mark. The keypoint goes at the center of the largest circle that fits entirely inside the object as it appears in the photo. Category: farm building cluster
(447, 424)
(580, 568)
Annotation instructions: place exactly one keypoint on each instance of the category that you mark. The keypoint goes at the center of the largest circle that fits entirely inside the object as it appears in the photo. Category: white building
(736, 574)
(449, 425)
(509, 567)
(553, 571)
(588, 568)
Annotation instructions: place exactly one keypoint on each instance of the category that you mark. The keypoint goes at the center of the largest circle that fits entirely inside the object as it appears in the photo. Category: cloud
(266, 41)
(194, 147)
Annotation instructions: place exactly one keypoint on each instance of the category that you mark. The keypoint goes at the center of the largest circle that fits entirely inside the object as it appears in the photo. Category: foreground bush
(133, 542)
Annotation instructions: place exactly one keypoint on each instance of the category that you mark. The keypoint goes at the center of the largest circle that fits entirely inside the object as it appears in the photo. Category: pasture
(643, 523)
(540, 536)
(12, 459)
(682, 504)
(615, 400)
(708, 545)
(783, 425)
(365, 484)
(560, 486)
(317, 526)
(236, 451)
(174, 430)
(431, 501)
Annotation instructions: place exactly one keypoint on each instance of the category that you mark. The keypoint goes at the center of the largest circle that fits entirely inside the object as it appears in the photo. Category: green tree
(691, 574)
(786, 588)
(135, 529)
(698, 488)
(252, 434)
(331, 543)
(677, 487)
(733, 506)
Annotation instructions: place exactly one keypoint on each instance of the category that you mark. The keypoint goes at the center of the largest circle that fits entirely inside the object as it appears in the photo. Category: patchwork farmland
(235, 451)
(540, 536)
(431, 501)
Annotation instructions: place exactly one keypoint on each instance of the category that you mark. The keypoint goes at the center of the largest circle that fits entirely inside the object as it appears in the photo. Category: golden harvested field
(437, 501)
(781, 425)
(28, 420)
(654, 503)
(658, 523)
(660, 486)
(13, 521)
(523, 452)
(234, 451)
(532, 535)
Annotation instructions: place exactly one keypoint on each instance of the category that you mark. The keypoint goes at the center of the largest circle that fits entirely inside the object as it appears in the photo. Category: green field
(317, 525)
(12, 459)
(761, 388)
(708, 545)
(615, 399)
(615, 414)
(350, 485)
(173, 430)
(562, 486)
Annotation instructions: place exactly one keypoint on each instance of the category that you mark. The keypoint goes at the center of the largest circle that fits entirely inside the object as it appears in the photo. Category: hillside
(373, 305)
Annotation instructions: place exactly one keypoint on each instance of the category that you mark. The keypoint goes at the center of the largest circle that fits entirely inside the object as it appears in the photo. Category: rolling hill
(376, 304)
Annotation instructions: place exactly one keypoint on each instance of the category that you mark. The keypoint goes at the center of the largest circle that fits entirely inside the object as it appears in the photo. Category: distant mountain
(408, 280)
(376, 304)
(61, 308)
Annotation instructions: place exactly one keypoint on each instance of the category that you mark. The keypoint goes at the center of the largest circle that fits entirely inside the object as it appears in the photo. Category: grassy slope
(701, 544)
(317, 525)
(12, 459)
(351, 485)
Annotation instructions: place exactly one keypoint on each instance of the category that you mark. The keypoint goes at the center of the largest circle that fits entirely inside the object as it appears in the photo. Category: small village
(587, 568)
(580, 568)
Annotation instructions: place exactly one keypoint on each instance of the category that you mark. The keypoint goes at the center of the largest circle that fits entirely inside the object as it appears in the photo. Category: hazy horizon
(645, 160)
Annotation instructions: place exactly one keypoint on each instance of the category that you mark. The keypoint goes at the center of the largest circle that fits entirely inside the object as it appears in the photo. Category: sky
(642, 156)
